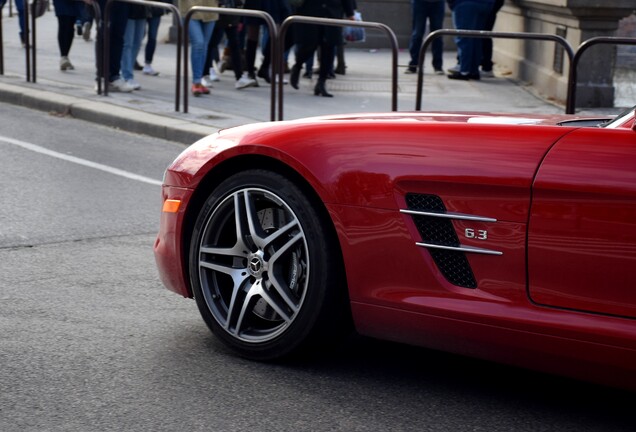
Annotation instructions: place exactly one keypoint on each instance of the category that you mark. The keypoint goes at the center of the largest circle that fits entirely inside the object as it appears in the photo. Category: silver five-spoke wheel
(260, 266)
(253, 265)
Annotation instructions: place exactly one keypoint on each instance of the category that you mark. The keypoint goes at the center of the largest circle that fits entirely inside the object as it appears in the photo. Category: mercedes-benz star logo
(255, 265)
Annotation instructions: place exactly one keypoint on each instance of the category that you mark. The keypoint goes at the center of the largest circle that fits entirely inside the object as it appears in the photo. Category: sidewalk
(364, 88)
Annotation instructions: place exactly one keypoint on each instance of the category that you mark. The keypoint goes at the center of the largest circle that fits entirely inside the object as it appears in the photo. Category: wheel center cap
(255, 265)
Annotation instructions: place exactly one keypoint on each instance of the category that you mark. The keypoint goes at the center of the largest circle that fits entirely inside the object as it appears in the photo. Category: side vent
(439, 231)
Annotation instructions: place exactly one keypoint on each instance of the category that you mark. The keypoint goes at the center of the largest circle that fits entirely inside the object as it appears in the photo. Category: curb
(123, 118)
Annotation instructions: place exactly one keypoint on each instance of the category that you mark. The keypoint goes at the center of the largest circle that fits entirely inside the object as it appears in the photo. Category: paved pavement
(151, 110)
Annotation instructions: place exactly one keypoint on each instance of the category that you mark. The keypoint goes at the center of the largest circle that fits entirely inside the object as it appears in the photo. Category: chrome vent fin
(435, 226)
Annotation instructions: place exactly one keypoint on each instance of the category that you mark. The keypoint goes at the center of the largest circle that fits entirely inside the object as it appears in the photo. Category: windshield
(620, 119)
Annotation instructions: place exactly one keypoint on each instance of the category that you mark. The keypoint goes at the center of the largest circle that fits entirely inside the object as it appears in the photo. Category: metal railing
(105, 62)
(572, 79)
(273, 34)
(31, 46)
(26, 40)
(30, 39)
(29, 52)
(480, 34)
(99, 23)
(2, 41)
(277, 35)
(301, 19)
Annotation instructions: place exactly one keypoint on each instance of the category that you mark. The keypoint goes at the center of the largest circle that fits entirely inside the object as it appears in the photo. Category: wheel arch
(237, 164)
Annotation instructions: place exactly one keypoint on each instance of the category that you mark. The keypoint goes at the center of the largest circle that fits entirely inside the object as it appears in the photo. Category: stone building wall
(626, 54)
(542, 64)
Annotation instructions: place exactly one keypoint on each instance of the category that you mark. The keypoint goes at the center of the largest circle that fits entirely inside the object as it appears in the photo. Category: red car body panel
(589, 182)
(555, 202)
(169, 245)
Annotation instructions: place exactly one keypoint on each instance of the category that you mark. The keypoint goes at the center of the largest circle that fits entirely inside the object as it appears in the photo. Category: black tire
(265, 275)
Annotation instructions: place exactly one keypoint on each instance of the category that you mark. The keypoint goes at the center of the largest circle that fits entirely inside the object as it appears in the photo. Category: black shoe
(264, 73)
(307, 75)
(78, 29)
(294, 76)
(331, 75)
(341, 69)
(137, 66)
(321, 90)
(458, 76)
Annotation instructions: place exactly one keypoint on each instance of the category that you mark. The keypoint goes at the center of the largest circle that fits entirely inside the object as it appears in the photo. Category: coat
(337, 9)
(278, 9)
(186, 5)
(67, 7)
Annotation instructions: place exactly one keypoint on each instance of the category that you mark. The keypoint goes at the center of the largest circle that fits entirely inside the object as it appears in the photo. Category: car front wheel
(262, 267)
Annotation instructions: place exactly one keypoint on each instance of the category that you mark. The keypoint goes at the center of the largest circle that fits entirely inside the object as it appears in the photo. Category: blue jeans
(151, 42)
(200, 33)
(19, 5)
(433, 12)
(132, 42)
(470, 15)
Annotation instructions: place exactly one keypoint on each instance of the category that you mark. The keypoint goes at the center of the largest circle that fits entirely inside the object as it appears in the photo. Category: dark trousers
(486, 61)
(470, 15)
(118, 21)
(267, 50)
(306, 50)
(433, 12)
(65, 33)
(231, 33)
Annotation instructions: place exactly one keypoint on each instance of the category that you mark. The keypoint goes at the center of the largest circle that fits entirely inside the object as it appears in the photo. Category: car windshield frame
(620, 119)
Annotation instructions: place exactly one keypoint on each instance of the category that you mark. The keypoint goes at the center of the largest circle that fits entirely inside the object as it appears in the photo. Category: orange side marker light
(171, 206)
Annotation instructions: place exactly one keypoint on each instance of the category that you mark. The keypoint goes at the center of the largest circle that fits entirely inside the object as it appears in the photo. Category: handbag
(39, 7)
(355, 34)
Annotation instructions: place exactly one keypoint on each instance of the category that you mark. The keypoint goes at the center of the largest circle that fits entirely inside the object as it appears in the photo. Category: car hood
(459, 117)
(314, 146)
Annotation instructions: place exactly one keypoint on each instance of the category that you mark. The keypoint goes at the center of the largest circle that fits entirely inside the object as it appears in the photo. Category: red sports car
(510, 238)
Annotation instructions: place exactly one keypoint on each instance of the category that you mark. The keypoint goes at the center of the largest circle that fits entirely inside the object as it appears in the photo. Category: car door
(582, 226)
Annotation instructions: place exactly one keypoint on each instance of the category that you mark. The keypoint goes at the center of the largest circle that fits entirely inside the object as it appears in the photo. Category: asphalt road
(91, 341)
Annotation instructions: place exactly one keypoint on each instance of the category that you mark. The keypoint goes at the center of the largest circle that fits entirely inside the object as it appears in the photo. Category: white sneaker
(148, 70)
(65, 64)
(213, 75)
(86, 31)
(245, 81)
(207, 81)
(134, 84)
(487, 74)
(119, 85)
